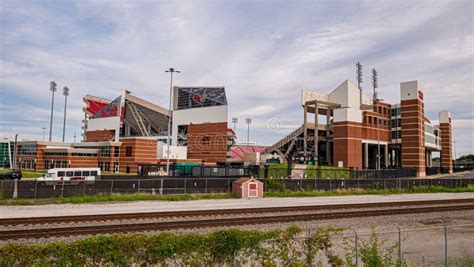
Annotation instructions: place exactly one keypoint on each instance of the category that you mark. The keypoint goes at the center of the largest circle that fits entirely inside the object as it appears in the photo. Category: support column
(366, 156)
(316, 136)
(446, 142)
(347, 128)
(413, 135)
(328, 121)
(305, 130)
(386, 157)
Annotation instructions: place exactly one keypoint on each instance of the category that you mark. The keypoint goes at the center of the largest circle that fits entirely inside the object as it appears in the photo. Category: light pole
(248, 121)
(15, 151)
(375, 84)
(66, 94)
(235, 121)
(52, 88)
(43, 128)
(168, 141)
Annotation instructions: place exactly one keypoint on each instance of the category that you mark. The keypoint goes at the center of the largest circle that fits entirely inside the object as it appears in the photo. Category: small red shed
(247, 188)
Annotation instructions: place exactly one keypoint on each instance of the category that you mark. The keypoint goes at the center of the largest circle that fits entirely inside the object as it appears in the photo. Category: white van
(70, 175)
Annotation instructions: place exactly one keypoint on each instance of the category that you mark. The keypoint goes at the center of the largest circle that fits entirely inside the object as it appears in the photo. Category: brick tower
(446, 142)
(412, 114)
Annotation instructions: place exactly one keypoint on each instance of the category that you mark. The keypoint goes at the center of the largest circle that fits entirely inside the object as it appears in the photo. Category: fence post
(400, 253)
(36, 188)
(111, 187)
(445, 245)
(310, 260)
(62, 189)
(185, 185)
(161, 186)
(315, 184)
(84, 188)
(15, 189)
(330, 185)
(356, 247)
(228, 185)
(206, 185)
(234, 257)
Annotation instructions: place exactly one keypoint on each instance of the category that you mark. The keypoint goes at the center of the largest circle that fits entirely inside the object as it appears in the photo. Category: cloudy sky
(264, 52)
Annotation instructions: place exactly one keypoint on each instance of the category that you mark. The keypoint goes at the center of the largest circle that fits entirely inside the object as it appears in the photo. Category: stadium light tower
(43, 128)
(52, 88)
(235, 121)
(359, 79)
(375, 85)
(66, 94)
(168, 141)
(248, 121)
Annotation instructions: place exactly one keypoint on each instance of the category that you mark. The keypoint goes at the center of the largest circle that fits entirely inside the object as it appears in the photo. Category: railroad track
(195, 213)
(342, 211)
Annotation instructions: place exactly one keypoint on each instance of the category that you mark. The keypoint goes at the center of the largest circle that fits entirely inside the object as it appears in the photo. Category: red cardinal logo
(199, 98)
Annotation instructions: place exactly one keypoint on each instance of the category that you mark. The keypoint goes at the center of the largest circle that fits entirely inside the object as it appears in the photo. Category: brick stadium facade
(121, 134)
(357, 126)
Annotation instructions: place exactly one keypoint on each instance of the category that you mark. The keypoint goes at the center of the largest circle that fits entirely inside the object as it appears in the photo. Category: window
(93, 173)
(101, 164)
(27, 150)
(370, 120)
(128, 151)
(57, 154)
(107, 166)
(60, 174)
(69, 173)
(46, 165)
(105, 151)
(85, 173)
(117, 152)
(77, 173)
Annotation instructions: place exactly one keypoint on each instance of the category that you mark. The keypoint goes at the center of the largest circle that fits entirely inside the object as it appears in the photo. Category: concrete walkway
(151, 206)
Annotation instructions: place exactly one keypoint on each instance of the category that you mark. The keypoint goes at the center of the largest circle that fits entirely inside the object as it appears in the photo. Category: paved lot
(150, 206)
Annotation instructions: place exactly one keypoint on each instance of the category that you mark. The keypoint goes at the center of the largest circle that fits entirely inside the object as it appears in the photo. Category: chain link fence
(157, 185)
(440, 245)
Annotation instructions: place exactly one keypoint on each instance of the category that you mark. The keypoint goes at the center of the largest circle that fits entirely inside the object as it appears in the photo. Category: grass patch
(347, 192)
(112, 198)
(189, 197)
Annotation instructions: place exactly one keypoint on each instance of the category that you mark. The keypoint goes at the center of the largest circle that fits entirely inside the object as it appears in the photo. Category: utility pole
(43, 128)
(168, 141)
(52, 88)
(66, 94)
(248, 121)
(375, 84)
